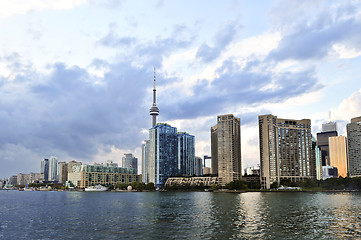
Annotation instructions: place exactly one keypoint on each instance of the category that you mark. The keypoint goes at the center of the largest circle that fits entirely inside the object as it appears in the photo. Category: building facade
(285, 150)
(130, 162)
(186, 154)
(214, 150)
(354, 146)
(145, 152)
(90, 175)
(226, 146)
(63, 172)
(53, 169)
(338, 154)
(44, 168)
(198, 167)
(163, 153)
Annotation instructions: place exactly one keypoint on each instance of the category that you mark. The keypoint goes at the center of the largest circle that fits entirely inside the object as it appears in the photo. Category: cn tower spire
(154, 110)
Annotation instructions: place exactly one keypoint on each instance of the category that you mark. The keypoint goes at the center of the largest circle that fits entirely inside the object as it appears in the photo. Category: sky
(76, 76)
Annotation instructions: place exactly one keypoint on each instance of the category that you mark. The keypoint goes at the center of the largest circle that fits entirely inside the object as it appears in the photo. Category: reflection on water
(179, 215)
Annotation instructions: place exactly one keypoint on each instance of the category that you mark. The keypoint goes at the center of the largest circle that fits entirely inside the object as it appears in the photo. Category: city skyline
(76, 76)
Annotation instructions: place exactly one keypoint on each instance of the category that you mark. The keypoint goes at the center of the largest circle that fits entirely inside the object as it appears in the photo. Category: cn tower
(154, 110)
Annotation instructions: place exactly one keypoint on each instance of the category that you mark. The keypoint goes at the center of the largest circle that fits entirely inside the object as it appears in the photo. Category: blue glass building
(163, 150)
(186, 154)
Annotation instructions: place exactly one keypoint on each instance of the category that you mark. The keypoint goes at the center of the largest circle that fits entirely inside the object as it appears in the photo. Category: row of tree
(328, 184)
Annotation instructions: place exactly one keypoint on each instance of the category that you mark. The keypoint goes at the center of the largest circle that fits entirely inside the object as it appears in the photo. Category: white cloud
(344, 53)
(348, 108)
(9, 8)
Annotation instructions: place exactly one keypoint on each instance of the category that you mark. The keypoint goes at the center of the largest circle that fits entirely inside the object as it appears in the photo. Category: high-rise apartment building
(285, 150)
(145, 152)
(63, 172)
(214, 150)
(226, 148)
(53, 169)
(198, 166)
(44, 168)
(163, 153)
(186, 154)
(130, 162)
(354, 146)
(316, 154)
(338, 154)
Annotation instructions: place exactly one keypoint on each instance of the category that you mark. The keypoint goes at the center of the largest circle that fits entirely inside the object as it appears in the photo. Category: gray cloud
(236, 86)
(222, 38)
(313, 37)
(67, 113)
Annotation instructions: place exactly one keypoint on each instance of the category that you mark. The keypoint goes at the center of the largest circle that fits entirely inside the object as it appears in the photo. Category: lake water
(179, 215)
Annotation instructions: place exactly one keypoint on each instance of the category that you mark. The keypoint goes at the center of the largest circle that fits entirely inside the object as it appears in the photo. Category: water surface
(179, 215)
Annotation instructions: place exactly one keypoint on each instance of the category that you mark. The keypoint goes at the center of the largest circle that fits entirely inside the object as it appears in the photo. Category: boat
(96, 188)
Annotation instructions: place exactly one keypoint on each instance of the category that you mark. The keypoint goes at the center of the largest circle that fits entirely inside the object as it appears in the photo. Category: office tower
(317, 158)
(214, 150)
(198, 166)
(130, 162)
(63, 172)
(145, 151)
(44, 168)
(354, 146)
(53, 169)
(328, 130)
(226, 148)
(338, 154)
(285, 150)
(154, 110)
(329, 127)
(163, 152)
(186, 154)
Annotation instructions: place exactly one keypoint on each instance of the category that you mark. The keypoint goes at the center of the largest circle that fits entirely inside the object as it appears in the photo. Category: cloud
(222, 38)
(66, 113)
(237, 86)
(348, 108)
(315, 37)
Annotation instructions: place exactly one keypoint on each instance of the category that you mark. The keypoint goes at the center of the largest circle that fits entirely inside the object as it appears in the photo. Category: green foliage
(274, 185)
(237, 185)
(289, 183)
(309, 183)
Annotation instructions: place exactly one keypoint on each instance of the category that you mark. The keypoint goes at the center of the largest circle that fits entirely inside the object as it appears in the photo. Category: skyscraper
(226, 146)
(44, 168)
(53, 169)
(154, 110)
(163, 153)
(198, 166)
(338, 154)
(186, 154)
(145, 152)
(285, 150)
(354, 146)
(328, 130)
(214, 150)
(317, 158)
(130, 162)
(63, 172)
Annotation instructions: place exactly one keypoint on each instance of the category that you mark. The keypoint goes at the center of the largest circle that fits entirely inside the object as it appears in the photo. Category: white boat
(96, 188)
